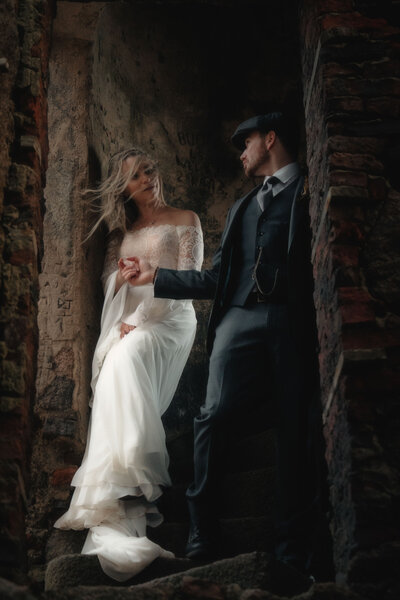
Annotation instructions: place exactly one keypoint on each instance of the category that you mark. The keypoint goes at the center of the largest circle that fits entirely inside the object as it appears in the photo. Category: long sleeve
(191, 249)
(191, 284)
(190, 257)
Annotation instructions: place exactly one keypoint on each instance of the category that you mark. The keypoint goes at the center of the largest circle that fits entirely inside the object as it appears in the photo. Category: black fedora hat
(274, 121)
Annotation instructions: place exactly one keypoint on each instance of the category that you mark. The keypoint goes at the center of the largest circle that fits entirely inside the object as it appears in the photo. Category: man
(261, 337)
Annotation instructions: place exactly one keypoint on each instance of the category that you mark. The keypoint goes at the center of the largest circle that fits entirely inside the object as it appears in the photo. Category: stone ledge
(247, 570)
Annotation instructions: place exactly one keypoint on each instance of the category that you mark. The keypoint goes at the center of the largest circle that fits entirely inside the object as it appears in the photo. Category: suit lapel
(234, 214)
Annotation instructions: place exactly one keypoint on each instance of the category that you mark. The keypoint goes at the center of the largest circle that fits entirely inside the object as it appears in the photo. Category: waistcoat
(261, 243)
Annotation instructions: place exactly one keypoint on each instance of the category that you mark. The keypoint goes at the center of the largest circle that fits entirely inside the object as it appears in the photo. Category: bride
(142, 349)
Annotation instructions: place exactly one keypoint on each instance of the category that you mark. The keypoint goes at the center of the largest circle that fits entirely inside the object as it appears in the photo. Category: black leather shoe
(288, 580)
(199, 546)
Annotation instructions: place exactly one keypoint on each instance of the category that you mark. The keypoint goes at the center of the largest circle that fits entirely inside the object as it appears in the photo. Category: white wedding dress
(133, 382)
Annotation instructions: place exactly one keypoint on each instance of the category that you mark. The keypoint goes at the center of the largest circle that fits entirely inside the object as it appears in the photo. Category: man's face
(255, 157)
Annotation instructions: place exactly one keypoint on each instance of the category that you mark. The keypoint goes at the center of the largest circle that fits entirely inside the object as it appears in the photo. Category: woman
(142, 349)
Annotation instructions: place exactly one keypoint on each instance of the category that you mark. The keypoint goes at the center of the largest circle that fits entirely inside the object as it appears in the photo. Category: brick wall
(24, 46)
(350, 53)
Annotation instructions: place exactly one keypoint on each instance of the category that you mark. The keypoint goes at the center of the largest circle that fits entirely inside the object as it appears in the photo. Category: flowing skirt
(125, 464)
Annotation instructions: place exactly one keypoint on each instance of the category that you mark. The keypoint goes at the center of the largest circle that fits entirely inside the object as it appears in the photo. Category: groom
(261, 339)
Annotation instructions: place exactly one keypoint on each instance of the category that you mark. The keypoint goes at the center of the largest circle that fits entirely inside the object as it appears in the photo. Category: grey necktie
(265, 194)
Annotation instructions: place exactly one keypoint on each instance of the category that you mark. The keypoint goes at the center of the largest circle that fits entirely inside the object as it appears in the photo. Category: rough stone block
(22, 179)
(62, 477)
(13, 378)
(59, 426)
(58, 395)
(11, 405)
(12, 591)
(20, 247)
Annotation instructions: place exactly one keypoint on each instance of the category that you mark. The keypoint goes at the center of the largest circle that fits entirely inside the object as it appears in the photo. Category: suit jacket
(214, 283)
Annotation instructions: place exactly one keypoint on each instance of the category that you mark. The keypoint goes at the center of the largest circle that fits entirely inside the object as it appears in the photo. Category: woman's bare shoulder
(179, 216)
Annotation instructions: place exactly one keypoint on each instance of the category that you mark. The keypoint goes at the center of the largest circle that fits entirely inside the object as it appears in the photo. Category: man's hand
(124, 329)
(144, 272)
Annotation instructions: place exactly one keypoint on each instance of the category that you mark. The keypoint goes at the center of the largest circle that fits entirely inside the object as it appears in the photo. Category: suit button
(261, 233)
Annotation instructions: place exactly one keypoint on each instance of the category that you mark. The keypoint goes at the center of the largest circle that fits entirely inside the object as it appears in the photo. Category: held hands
(141, 273)
(128, 268)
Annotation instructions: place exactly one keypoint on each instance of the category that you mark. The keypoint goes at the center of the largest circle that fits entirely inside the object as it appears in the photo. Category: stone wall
(152, 80)
(24, 48)
(351, 93)
(70, 294)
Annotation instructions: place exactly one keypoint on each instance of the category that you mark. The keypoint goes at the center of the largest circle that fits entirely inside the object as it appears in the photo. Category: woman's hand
(128, 270)
(125, 329)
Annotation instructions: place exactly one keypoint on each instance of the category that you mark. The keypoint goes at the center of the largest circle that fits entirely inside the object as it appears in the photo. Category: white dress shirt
(286, 175)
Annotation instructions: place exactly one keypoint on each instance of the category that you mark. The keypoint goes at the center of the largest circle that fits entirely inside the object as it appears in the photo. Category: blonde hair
(117, 210)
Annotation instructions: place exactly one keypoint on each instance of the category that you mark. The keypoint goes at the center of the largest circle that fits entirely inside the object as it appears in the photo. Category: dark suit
(258, 346)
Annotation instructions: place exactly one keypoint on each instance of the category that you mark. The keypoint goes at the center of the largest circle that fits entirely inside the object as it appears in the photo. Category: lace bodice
(169, 246)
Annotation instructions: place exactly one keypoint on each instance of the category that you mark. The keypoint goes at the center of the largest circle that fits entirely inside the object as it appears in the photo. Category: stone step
(253, 451)
(238, 536)
(69, 571)
(243, 494)
(194, 583)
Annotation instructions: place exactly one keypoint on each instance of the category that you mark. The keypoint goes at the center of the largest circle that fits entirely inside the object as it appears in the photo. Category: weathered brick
(356, 305)
(363, 87)
(355, 50)
(345, 255)
(348, 178)
(345, 231)
(377, 188)
(62, 477)
(345, 104)
(347, 144)
(352, 161)
(347, 192)
(386, 106)
(353, 21)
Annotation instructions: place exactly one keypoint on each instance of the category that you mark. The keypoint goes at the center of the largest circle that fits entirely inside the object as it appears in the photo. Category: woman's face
(141, 185)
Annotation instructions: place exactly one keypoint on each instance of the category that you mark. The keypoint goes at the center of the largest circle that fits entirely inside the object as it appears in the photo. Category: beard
(253, 166)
